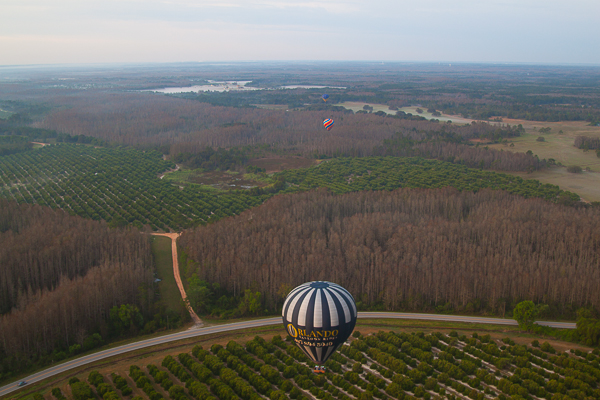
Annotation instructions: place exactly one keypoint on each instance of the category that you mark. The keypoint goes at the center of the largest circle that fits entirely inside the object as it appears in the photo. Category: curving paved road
(246, 325)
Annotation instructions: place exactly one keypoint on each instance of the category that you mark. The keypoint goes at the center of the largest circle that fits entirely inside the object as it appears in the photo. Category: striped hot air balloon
(328, 123)
(319, 316)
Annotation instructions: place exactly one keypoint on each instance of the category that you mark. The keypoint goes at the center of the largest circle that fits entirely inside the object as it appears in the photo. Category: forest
(408, 249)
(67, 284)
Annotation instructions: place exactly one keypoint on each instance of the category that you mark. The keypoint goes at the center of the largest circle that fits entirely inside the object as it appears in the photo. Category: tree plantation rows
(118, 185)
(389, 173)
(408, 249)
(63, 279)
(121, 186)
(386, 365)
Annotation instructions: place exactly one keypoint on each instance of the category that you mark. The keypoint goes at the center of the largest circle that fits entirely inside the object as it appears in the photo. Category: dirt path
(197, 321)
(169, 171)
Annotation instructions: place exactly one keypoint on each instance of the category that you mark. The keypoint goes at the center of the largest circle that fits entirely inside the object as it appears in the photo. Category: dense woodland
(453, 145)
(61, 276)
(190, 130)
(14, 144)
(408, 249)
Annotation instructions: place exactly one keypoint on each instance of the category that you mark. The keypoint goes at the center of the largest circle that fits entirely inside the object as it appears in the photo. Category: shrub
(81, 391)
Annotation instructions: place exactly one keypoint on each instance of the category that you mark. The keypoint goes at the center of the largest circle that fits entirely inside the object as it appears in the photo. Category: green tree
(81, 391)
(199, 294)
(250, 303)
(526, 312)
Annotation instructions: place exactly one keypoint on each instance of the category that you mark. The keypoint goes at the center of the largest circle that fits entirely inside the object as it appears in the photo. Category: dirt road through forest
(197, 321)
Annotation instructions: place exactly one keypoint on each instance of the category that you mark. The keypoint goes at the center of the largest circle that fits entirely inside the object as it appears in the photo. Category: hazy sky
(91, 31)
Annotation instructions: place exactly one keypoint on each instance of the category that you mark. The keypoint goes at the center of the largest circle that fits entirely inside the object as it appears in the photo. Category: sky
(490, 31)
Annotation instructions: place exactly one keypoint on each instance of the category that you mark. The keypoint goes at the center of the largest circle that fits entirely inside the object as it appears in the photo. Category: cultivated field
(412, 360)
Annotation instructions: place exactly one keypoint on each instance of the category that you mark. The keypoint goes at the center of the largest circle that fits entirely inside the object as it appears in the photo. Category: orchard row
(122, 185)
(383, 366)
(119, 185)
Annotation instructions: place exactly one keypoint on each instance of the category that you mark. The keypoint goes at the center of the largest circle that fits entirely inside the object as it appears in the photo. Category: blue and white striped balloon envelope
(319, 316)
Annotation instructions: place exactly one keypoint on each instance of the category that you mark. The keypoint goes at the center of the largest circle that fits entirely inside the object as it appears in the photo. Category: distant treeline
(445, 144)
(548, 113)
(13, 145)
(410, 249)
(186, 130)
(28, 132)
(588, 143)
(208, 158)
(45, 134)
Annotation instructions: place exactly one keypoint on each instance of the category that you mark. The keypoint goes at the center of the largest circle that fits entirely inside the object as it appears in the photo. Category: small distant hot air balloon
(328, 123)
(325, 97)
(319, 316)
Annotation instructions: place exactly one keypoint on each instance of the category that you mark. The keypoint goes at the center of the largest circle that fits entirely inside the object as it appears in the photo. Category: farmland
(389, 173)
(379, 364)
(121, 185)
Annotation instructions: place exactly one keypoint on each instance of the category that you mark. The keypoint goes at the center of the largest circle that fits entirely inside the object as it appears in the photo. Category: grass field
(278, 164)
(358, 106)
(5, 114)
(154, 355)
(559, 146)
(213, 180)
(169, 293)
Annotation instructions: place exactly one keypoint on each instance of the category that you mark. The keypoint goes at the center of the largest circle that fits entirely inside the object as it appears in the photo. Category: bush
(57, 393)
(81, 391)
(575, 169)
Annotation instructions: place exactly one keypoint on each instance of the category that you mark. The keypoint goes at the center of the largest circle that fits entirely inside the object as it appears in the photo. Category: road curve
(79, 362)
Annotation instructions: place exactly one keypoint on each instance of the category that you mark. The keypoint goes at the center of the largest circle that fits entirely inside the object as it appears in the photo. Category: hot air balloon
(325, 97)
(319, 316)
(328, 123)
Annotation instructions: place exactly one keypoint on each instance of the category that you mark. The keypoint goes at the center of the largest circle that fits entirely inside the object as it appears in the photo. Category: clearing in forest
(558, 144)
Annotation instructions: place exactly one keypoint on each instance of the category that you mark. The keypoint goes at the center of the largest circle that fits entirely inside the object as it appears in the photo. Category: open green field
(169, 293)
(358, 106)
(559, 146)
(5, 114)
(389, 359)
(214, 181)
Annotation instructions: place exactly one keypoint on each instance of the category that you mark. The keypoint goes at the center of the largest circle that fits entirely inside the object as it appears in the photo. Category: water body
(230, 86)
(214, 86)
(310, 87)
